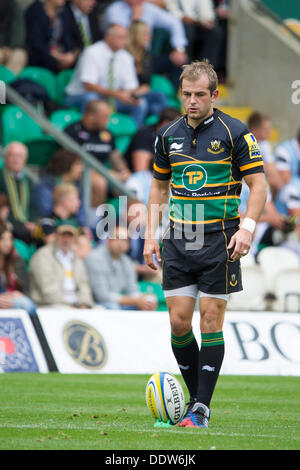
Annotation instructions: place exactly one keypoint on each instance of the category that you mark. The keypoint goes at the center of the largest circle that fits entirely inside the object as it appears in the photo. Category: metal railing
(263, 9)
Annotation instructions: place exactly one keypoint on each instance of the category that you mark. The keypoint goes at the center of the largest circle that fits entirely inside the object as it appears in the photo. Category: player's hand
(151, 248)
(241, 242)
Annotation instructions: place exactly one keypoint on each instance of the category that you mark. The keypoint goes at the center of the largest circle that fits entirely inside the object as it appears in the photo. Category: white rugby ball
(165, 397)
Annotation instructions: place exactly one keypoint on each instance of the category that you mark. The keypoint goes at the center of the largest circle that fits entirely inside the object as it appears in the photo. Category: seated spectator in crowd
(92, 135)
(140, 153)
(64, 167)
(287, 158)
(18, 188)
(201, 27)
(14, 280)
(57, 275)
(138, 46)
(4, 210)
(45, 36)
(12, 36)
(112, 275)
(106, 70)
(124, 12)
(261, 127)
(66, 204)
(80, 24)
(222, 11)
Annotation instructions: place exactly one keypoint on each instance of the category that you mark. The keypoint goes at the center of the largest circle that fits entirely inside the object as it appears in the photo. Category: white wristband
(248, 224)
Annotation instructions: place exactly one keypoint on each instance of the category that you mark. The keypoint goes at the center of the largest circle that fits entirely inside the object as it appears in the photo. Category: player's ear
(214, 95)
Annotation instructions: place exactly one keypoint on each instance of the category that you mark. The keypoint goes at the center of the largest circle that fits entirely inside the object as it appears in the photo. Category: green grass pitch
(108, 412)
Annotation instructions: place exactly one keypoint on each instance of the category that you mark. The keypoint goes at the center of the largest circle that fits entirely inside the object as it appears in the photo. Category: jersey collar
(203, 124)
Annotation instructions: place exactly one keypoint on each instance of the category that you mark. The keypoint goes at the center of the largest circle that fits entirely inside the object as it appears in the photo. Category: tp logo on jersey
(194, 177)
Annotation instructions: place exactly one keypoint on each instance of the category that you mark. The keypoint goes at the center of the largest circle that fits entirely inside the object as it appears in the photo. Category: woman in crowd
(14, 281)
(138, 45)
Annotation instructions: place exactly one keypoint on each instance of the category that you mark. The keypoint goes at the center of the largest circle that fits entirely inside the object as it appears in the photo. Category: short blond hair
(63, 190)
(194, 70)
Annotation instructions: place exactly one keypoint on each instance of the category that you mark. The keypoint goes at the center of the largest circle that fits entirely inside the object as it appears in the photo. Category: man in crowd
(57, 275)
(112, 275)
(106, 70)
(18, 187)
(92, 135)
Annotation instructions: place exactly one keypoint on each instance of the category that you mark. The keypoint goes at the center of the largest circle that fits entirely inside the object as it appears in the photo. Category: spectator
(106, 70)
(14, 282)
(80, 24)
(45, 36)
(4, 210)
(12, 36)
(201, 27)
(138, 46)
(66, 203)
(222, 11)
(261, 127)
(92, 135)
(64, 167)
(287, 158)
(112, 275)
(18, 188)
(124, 12)
(140, 152)
(57, 275)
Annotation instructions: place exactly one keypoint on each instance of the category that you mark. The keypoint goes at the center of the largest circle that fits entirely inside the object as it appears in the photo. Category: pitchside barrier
(102, 341)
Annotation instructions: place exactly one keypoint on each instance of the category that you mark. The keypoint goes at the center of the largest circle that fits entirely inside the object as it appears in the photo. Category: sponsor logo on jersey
(194, 177)
(254, 150)
(174, 147)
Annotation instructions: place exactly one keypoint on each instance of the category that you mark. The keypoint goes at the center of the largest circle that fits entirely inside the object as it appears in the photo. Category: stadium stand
(275, 270)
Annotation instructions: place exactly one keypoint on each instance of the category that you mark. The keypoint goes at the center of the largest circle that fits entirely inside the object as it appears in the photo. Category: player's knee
(180, 326)
(211, 321)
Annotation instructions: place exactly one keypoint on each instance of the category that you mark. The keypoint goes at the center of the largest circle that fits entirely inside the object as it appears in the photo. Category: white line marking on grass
(137, 428)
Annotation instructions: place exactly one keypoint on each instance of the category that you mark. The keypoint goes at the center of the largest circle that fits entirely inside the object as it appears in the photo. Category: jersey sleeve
(247, 154)
(161, 167)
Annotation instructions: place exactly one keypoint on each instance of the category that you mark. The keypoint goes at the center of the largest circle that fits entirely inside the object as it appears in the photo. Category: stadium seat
(18, 126)
(154, 288)
(252, 297)
(62, 80)
(24, 250)
(63, 118)
(43, 77)
(123, 128)
(163, 84)
(6, 75)
(272, 260)
(287, 290)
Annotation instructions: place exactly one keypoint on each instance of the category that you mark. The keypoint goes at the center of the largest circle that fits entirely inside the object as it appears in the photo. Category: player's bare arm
(159, 196)
(242, 239)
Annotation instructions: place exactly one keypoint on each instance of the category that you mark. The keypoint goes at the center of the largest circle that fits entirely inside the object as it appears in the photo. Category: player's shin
(186, 352)
(210, 361)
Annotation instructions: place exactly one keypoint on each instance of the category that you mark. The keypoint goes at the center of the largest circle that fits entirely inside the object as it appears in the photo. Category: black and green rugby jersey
(206, 165)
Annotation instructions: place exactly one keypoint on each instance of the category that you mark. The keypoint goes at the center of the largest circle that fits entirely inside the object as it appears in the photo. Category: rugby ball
(165, 397)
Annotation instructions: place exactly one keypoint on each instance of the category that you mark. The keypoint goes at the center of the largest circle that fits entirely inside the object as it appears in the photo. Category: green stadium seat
(123, 128)
(24, 250)
(43, 77)
(163, 84)
(154, 288)
(63, 118)
(18, 126)
(6, 75)
(62, 80)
